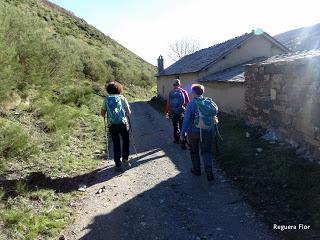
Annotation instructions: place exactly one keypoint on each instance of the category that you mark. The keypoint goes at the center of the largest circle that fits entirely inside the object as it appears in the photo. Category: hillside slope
(54, 67)
(300, 39)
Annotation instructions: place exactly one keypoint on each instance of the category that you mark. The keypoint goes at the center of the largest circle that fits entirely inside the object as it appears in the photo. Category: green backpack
(115, 111)
(206, 110)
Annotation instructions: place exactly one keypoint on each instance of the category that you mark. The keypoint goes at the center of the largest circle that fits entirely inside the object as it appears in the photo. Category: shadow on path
(39, 180)
(174, 205)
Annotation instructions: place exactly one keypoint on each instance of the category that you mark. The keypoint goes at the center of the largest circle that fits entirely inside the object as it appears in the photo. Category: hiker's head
(114, 88)
(197, 90)
(176, 83)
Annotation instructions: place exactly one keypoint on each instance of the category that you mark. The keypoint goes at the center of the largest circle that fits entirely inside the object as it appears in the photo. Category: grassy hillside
(302, 38)
(53, 70)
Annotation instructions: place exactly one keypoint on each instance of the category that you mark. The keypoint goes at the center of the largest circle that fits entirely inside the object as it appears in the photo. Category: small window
(224, 57)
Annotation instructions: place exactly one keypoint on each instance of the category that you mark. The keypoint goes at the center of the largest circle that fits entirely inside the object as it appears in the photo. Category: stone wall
(283, 94)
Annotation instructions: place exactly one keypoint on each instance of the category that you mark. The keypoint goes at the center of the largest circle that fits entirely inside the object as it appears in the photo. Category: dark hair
(197, 89)
(114, 88)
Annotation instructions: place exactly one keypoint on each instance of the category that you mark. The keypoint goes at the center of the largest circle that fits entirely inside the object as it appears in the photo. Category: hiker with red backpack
(199, 126)
(177, 101)
(116, 110)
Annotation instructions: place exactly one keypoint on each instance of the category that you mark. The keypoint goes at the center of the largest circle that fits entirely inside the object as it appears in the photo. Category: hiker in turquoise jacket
(116, 110)
(199, 129)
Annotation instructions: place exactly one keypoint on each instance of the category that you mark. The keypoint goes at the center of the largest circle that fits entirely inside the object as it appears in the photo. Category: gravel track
(158, 198)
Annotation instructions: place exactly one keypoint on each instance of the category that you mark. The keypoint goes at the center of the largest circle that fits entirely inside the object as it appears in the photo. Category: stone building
(282, 95)
(220, 69)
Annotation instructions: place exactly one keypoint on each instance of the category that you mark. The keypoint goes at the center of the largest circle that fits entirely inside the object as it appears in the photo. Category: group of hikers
(194, 123)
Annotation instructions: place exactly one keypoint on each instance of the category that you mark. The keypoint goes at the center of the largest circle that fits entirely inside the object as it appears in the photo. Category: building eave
(276, 42)
(227, 53)
(173, 74)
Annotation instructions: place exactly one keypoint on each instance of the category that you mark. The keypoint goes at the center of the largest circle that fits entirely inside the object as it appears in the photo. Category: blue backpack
(205, 112)
(115, 111)
(176, 100)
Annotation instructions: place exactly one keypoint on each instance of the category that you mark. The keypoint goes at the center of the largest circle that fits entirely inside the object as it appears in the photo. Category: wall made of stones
(285, 96)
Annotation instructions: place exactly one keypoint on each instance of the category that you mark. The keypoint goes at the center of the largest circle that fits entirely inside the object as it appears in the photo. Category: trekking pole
(218, 132)
(106, 137)
(186, 142)
(132, 137)
(217, 135)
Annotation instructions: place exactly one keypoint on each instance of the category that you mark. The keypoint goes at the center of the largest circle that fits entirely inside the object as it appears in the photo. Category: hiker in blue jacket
(199, 129)
(116, 110)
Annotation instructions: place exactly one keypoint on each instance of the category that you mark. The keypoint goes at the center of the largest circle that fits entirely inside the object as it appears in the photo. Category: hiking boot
(126, 163)
(210, 177)
(194, 172)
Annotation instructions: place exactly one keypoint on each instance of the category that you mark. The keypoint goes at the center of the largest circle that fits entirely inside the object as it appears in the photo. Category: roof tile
(233, 74)
(202, 58)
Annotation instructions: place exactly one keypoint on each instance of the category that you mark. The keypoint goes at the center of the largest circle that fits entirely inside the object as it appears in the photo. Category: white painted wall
(257, 46)
(165, 83)
(228, 96)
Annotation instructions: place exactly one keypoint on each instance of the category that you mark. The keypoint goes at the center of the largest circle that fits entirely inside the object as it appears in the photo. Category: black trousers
(116, 131)
(177, 120)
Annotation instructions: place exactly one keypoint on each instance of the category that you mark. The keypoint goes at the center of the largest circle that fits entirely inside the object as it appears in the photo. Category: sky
(147, 27)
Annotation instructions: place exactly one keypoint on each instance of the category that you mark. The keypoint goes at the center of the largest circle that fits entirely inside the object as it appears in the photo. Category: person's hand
(216, 120)
(103, 112)
(167, 116)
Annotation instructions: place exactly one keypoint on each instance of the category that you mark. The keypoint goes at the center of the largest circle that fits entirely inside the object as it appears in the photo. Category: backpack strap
(196, 108)
(184, 99)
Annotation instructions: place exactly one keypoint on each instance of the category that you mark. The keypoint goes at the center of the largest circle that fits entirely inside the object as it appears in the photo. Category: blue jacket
(189, 118)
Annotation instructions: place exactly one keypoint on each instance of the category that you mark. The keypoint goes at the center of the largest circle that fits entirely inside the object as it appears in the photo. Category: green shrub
(74, 94)
(21, 188)
(93, 103)
(28, 225)
(12, 217)
(14, 141)
(60, 117)
(95, 70)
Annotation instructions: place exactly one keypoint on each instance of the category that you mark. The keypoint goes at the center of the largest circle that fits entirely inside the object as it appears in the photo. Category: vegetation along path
(158, 198)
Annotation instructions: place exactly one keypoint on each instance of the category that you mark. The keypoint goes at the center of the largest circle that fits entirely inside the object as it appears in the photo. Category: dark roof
(293, 56)
(201, 59)
(233, 74)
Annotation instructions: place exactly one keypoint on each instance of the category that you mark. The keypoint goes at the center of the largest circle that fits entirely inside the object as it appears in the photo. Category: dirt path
(158, 198)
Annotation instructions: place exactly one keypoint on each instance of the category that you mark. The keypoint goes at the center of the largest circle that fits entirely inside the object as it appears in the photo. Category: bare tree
(183, 47)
